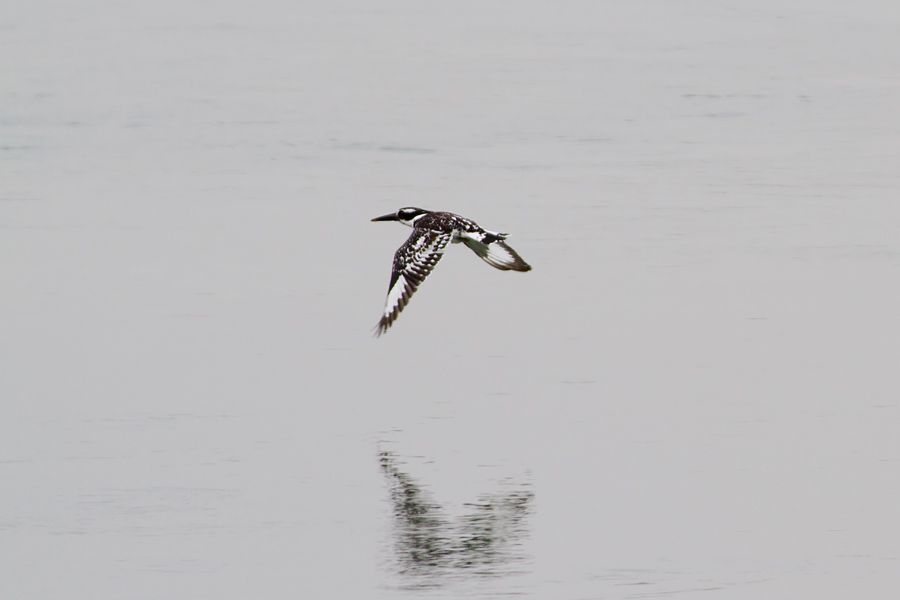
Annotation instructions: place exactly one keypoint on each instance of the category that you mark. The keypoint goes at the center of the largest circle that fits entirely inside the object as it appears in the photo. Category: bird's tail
(489, 237)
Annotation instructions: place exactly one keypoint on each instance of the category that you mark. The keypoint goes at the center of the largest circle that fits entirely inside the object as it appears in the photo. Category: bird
(417, 257)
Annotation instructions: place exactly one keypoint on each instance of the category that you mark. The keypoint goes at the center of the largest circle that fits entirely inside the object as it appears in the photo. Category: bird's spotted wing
(413, 261)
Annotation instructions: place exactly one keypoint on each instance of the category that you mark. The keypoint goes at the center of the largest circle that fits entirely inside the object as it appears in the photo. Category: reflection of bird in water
(416, 258)
(428, 543)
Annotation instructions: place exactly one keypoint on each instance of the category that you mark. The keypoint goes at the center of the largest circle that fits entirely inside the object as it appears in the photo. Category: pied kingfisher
(416, 258)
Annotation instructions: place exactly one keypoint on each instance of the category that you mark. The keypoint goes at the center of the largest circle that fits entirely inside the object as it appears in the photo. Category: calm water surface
(693, 394)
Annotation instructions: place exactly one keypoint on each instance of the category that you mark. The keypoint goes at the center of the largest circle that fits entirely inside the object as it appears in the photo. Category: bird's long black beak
(390, 217)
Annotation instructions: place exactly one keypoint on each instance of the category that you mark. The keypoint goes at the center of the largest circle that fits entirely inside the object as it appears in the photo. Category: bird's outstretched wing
(413, 261)
(493, 250)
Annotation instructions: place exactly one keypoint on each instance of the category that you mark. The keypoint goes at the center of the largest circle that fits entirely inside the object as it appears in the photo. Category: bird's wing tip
(380, 329)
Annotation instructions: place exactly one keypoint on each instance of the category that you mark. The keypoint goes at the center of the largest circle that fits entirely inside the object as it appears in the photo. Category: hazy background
(695, 393)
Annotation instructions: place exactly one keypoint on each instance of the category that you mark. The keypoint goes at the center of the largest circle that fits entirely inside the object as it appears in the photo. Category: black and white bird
(416, 258)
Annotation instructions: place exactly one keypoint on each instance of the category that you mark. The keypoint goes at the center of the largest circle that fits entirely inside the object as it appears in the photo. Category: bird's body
(417, 257)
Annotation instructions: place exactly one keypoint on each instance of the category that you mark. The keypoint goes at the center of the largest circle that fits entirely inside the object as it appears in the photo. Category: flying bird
(416, 258)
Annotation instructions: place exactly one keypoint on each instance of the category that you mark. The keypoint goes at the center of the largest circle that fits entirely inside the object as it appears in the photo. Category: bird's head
(407, 215)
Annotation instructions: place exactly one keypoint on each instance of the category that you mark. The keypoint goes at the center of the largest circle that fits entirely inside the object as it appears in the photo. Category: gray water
(695, 393)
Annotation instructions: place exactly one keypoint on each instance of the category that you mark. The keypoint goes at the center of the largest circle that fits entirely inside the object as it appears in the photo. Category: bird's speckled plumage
(417, 257)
